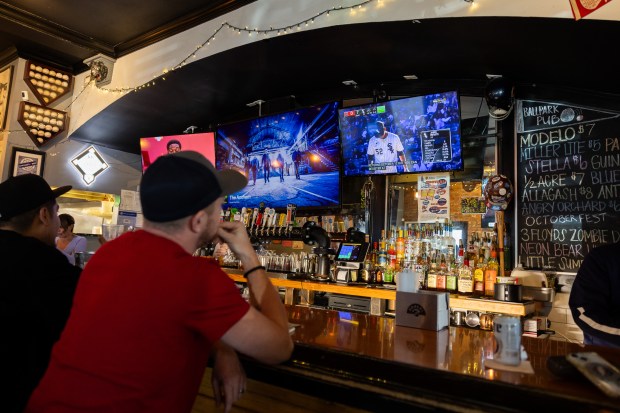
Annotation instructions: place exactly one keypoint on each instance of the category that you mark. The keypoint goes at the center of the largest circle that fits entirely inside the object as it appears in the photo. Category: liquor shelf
(382, 293)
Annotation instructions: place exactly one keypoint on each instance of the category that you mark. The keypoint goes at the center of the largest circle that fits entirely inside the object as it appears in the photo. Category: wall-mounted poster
(5, 91)
(434, 197)
(26, 161)
(473, 205)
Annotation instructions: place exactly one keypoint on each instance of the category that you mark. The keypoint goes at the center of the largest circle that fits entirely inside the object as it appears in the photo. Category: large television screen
(289, 158)
(153, 148)
(417, 134)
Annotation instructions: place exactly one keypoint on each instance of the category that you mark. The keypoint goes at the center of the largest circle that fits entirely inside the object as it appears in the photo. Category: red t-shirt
(144, 318)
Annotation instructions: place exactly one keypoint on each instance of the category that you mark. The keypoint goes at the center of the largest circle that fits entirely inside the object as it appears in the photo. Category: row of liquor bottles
(429, 250)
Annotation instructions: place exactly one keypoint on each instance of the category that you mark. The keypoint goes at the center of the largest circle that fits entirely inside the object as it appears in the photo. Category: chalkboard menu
(436, 146)
(568, 183)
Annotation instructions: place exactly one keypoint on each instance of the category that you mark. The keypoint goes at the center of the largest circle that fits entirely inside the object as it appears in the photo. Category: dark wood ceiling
(544, 57)
(65, 32)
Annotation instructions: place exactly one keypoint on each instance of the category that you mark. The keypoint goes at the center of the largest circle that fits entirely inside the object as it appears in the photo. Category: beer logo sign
(416, 310)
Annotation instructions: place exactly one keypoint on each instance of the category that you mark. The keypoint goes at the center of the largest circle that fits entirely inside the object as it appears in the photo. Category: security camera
(24, 95)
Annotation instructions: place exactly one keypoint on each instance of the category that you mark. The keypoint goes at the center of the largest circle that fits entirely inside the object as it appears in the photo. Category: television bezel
(342, 157)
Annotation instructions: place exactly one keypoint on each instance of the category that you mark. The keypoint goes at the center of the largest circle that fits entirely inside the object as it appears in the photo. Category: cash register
(350, 261)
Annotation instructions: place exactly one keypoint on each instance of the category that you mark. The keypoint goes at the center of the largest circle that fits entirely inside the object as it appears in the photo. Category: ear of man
(198, 222)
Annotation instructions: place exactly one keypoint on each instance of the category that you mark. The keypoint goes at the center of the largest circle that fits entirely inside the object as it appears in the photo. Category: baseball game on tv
(410, 135)
(289, 158)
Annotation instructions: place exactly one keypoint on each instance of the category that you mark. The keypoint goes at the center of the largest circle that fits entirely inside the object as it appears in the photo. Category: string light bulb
(239, 29)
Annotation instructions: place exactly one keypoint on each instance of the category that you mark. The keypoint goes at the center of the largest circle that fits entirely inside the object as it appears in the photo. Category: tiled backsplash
(561, 319)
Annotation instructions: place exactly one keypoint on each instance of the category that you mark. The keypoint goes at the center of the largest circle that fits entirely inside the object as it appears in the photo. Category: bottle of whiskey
(479, 277)
(431, 277)
(465, 280)
(442, 274)
(490, 274)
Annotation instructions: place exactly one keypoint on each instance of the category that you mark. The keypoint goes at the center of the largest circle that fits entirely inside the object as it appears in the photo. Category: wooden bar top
(430, 368)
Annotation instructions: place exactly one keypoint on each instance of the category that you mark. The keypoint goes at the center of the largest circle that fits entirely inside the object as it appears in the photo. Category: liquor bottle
(388, 275)
(391, 248)
(431, 277)
(367, 269)
(421, 267)
(409, 256)
(479, 278)
(400, 245)
(374, 254)
(465, 280)
(449, 245)
(442, 273)
(451, 276)
(378, 274)
(490, 274)
(382, 257)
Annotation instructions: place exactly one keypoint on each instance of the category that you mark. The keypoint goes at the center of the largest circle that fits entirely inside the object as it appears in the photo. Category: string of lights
(287, 29)
(265, 32)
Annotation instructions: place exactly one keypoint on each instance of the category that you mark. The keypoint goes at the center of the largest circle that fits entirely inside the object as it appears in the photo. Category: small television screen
(153, 148)
(410, 135)
(352, 251)
(289, 158)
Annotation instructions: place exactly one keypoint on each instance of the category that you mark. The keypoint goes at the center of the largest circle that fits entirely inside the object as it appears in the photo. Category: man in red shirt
(147, 314)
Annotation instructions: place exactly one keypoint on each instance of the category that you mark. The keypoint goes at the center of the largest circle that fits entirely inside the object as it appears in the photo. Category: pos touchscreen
(352, 251)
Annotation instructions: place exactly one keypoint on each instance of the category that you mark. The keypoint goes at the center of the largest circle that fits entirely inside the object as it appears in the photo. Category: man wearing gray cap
(147, 314)
(37, 285)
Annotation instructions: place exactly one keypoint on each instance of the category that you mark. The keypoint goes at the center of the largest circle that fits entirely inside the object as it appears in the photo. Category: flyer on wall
(434, 197)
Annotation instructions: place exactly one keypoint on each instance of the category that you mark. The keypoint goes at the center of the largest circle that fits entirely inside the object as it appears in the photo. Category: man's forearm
(265, 297)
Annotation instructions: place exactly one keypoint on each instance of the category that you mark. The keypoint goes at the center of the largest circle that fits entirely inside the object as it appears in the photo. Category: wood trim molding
(180, 25)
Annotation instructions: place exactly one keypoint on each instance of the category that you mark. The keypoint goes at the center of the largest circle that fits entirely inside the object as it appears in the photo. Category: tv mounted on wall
(416, 134)
(153, 148)
(289, 158)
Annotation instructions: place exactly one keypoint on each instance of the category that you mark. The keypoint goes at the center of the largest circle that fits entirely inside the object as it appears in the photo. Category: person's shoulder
(607, 250)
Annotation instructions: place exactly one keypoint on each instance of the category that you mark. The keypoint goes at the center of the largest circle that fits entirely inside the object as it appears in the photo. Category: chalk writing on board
(568, 183)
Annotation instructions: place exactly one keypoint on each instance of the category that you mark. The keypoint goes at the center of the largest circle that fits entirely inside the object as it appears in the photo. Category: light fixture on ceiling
(258, 102)
(410, 77)
(89, 164)
(349, 82)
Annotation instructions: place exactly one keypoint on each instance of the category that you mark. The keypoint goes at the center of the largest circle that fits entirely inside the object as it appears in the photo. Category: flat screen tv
(410, 135)
(153, 148)
(289, 158)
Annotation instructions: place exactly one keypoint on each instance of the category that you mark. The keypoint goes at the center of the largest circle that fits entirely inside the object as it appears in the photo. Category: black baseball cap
(23, 193)
(178, 185)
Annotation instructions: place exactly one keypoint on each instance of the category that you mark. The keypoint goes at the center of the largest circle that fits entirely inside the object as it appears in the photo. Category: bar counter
(367, 363)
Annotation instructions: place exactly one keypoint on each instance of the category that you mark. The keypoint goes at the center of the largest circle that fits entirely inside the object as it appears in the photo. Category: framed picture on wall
(26, 161)
(5, 91)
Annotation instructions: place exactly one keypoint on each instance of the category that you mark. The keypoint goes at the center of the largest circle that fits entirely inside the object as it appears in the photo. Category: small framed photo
(5, 91)
(26, 161)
